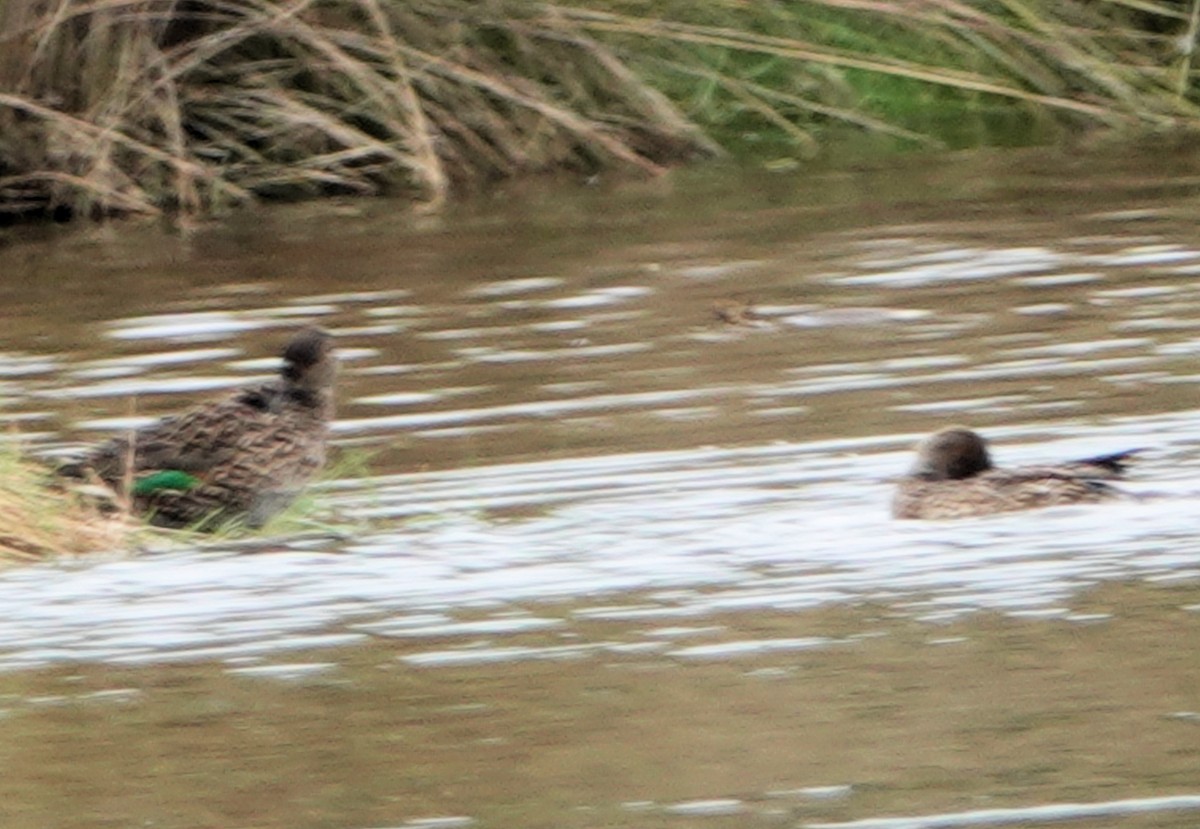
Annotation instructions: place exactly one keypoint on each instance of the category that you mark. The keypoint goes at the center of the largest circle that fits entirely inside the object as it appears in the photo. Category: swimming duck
(243, 458)
(954, 478)
(737, 312)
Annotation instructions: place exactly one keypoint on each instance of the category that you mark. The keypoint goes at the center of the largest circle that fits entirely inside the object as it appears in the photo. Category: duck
(737, 312)
(954, 477)
(239, 459)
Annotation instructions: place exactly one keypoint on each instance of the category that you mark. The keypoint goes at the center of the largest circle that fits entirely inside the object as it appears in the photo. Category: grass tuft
(43, 517)
(306, 515)
(39, 519)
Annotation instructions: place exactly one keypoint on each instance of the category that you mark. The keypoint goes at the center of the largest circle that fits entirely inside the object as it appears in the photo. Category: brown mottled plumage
(250, 453)
(954, 478)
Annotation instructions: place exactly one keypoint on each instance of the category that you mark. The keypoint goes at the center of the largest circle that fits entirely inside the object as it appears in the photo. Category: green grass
(937, 72)
(307, 514)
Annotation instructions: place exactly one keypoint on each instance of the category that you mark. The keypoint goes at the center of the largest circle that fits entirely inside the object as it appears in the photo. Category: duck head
(310, 365)
(951, 454)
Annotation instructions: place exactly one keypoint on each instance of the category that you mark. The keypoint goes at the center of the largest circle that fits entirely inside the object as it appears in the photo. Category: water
(618, 561)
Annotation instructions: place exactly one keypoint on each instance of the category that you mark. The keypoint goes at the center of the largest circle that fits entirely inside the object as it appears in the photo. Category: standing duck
(243, 458)
(954, 478)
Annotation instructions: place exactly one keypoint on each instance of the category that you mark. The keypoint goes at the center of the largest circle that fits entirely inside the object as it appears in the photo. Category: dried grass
(141, 105)
(39, 520)
(194, 105)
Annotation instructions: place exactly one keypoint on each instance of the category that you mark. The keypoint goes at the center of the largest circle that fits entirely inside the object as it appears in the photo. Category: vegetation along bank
(192, 106)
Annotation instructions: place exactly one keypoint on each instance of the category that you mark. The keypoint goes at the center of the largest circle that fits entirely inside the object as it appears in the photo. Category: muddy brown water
(619, 562)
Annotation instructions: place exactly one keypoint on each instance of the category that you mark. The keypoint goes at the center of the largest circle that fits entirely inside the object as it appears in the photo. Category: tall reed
(140, 105)
(192, 105)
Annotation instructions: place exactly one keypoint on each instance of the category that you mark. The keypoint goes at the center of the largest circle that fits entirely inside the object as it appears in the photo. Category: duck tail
(1117, 462)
